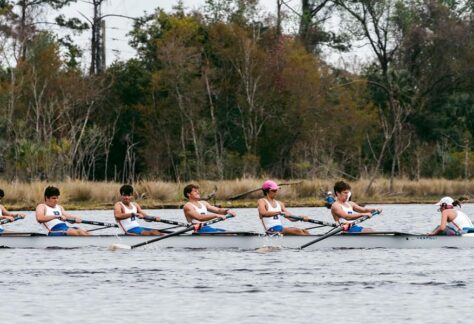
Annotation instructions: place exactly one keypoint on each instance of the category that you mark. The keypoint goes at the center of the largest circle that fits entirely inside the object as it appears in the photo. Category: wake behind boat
(243, 241)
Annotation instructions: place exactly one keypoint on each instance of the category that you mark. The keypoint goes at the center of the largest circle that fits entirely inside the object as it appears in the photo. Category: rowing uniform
(202, 210)
(350, 211)
(130, 225)
(272, 224)
(459, 225)
(54, 227)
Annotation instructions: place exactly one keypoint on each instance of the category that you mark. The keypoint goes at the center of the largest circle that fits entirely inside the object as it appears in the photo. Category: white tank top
(49, 211)
(461, 221)
(131, 222)
(201, 210)
(348, 210)
(269, 222)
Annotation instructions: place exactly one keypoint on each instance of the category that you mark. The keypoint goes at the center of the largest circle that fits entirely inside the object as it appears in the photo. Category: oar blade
(118, 247)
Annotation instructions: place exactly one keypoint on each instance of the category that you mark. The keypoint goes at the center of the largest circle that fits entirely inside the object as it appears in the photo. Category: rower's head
(270, 187)
(342, 191)
(191, 191)
(126, 192)
(447, 203)
(51, 196)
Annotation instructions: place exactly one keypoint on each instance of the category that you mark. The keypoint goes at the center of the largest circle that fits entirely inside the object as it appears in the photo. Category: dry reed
(159, 192)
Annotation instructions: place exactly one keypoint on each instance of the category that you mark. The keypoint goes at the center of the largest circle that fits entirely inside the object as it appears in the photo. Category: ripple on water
(195, 285)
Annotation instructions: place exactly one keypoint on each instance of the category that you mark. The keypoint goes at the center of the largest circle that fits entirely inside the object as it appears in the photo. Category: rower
(52, 216)
(270, 211)
(127, 212)
(5, 214)
(453, 222)
(197, 211)
(344, 211)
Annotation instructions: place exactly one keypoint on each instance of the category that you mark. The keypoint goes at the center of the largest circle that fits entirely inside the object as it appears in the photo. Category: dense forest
(226, 92)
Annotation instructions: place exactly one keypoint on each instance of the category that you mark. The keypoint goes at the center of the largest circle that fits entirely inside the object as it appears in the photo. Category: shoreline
(87, 195)
(291, 203)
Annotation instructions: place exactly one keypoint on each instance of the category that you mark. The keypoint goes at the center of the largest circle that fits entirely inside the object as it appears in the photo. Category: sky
(117, 47)
(117, 28)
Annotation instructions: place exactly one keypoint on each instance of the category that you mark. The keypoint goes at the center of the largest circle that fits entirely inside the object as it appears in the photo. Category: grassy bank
(159, 194)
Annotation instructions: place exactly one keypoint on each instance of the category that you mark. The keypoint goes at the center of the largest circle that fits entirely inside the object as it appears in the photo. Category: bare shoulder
(187, 205)
(262, 202)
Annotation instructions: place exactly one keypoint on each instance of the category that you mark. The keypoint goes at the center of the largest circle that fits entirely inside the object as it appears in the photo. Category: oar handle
(89, 222)
(309, 220)
(166, 221)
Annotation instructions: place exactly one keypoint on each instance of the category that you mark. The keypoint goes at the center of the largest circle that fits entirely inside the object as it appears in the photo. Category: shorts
(355, 229)
(209, 229)
(138, 230)
(450, 231)
(1, 230)
(274, 229)
(59, 230)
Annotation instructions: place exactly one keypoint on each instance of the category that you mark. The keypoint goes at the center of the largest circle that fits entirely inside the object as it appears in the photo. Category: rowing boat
(243, 240)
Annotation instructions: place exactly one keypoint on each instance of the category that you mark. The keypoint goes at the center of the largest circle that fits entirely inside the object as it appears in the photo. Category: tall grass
(156, 193)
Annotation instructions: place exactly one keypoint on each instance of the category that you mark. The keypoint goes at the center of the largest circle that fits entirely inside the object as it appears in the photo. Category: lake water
(232, 286)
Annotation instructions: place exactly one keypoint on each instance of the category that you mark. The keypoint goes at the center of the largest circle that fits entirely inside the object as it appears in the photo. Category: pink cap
(270, 185)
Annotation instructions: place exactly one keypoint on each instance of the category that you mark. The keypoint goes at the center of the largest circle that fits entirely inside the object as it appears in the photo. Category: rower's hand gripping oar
(7, 220)
(309, 220)
(189, 228)
(340, 228)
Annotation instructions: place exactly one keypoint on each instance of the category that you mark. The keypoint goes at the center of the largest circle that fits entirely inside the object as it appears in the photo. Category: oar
(255, 190)
(98, 229)
(189, 228)
(309, 220)
(166, 221)
(339, 229)
(6, 220)
(88, 222)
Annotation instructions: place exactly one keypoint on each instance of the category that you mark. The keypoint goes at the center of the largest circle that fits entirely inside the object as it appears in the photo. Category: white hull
(245, 241)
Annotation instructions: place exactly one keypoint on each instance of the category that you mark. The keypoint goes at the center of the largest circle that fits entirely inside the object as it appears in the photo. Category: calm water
(219, 286)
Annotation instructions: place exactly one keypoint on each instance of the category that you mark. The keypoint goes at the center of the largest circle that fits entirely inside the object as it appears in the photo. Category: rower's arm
(285, 211)
(338, 212)
(361, 209)
(191, 213)
(6, 214)
(69, 216)
(218, 210)
(443, 223)
(262, 209)
(119, 213)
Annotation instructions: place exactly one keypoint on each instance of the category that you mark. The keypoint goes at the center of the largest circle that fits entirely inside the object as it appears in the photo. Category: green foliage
(221, 94)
